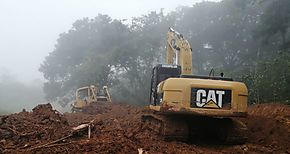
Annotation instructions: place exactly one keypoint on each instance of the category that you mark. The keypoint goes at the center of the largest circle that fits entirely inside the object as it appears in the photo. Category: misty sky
(29, 28)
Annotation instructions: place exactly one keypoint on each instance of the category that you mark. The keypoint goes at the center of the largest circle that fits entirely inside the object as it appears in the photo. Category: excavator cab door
(160, 73)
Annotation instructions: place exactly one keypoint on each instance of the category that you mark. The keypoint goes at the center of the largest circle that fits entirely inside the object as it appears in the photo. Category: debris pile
(27, 129)
(118, 129)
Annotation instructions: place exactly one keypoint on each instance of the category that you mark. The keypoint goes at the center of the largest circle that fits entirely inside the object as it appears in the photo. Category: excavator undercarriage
(188, 128)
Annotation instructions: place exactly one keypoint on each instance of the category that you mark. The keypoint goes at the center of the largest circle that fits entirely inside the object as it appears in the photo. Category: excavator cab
(160, 73)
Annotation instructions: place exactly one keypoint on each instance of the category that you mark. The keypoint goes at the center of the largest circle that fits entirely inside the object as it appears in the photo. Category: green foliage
(81, 56)
(103, 51)
(220, 35)
(227, 36)
(270, 81)
(275, 23)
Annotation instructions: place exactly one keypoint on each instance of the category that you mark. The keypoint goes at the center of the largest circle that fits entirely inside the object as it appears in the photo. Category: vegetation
(248, 40)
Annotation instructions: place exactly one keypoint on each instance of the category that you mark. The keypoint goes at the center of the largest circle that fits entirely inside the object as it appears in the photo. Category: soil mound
(25, 129)
(269, 125)
(117, 128)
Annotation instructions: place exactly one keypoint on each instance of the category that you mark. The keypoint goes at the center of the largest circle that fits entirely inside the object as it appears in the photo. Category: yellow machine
(190, 107)
(87, 96)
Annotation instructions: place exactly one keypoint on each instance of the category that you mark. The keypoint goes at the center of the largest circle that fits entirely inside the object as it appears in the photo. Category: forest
(247, 40)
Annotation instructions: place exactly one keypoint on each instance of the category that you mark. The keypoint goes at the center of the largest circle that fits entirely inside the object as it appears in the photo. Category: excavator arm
(179, 51)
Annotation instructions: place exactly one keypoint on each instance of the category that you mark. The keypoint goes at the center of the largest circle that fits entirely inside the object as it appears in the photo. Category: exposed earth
(117, 128)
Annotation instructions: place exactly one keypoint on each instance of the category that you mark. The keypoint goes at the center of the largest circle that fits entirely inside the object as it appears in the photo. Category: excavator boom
(179, 51)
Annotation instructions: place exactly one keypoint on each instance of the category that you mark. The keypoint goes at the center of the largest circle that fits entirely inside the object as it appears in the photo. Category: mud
(118, 129)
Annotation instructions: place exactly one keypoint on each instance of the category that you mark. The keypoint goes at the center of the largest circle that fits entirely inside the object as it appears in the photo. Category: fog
(16, 95)
(29, 30)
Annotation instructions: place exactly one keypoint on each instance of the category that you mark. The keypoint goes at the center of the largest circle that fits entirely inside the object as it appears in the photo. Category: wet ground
(117, 128)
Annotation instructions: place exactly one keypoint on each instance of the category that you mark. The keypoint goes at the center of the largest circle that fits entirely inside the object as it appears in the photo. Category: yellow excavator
(90, 96)
(186, 107)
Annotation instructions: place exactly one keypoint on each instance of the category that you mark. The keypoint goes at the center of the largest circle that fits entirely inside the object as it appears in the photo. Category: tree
(135, 59)
(223, 35)
(81, 56)
(275, 21)
(220, 34)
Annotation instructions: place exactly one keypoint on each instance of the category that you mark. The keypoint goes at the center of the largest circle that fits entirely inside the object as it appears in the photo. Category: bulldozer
(189, 107)
(89, 98)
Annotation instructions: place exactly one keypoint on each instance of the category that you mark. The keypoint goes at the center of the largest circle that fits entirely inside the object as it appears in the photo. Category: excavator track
(179, 127)
(168, 127)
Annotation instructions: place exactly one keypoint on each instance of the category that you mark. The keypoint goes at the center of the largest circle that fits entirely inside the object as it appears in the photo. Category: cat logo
(209, 98)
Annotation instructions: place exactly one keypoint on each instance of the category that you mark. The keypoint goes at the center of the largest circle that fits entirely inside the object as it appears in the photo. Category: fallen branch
(15, 132)
(83, 127)
(54, 145)
(75, 130)
(55, 141)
